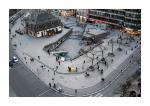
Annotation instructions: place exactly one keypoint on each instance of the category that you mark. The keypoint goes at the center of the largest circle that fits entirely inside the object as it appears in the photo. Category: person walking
(39, 57)
(101, 71)
(54, 73)
(54, 85)
(56, 67)
(75, 91)
(84, 62)
(50, 85)
(59, 62)
(98, 67)
(97, 57)
(112, 60)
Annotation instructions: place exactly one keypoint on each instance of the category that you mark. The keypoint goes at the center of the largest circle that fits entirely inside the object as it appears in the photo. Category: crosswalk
(97, 95)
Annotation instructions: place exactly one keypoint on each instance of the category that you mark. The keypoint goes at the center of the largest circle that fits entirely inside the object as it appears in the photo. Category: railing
(56, 44)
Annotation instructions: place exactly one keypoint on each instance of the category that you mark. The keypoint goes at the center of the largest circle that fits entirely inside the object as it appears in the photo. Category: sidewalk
(34, 47)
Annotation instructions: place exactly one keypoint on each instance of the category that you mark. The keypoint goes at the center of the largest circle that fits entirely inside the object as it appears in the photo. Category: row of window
(133, 26)
(133, 10)
(43, 26)
(126, 23)
(114, 14)
(111, 11)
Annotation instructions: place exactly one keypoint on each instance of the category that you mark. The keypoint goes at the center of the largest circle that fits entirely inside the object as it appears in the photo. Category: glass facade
(129, 18)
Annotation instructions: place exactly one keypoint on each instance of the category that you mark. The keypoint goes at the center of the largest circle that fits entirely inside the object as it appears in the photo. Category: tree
(124, 89)
(132, 94)
(128, 83)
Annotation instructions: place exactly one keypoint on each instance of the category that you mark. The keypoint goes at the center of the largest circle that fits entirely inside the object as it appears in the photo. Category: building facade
(82, 15)
(125, 18)
(40, 24)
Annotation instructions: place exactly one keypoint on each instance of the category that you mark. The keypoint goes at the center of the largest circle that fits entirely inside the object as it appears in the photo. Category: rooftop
(41, 17)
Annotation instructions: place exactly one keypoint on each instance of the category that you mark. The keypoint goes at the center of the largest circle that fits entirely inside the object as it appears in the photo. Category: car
(14, 59)
(10, 63)
(66, 27)
(19, 32)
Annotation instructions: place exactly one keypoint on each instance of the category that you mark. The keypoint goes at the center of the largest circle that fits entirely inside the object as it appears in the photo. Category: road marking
(43, 92)
(98, 95)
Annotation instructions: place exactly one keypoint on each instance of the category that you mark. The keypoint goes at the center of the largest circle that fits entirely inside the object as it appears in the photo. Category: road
(109, 92)
(23, 83)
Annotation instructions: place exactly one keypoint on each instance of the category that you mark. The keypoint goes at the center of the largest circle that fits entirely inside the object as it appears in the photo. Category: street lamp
(120, 42)
(103, 59)
(92, 58)
(111, 53)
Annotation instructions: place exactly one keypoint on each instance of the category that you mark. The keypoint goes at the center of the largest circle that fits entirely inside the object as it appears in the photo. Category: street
(24, 83)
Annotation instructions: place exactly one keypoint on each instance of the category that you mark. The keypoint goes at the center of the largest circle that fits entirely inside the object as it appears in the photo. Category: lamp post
(102, 54)
(92, 58)
(120, 42)
(112, 47)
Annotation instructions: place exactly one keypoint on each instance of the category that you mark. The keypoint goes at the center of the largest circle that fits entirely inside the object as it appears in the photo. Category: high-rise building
(130, 19)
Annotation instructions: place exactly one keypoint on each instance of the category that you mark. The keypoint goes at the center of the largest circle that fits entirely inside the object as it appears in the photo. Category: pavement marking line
(42, 93)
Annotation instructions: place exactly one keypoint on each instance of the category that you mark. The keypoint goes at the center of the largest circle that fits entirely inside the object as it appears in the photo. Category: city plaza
(75, 66)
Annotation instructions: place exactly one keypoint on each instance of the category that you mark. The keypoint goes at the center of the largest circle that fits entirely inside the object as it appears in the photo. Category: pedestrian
(112, 60)
(25, 58)
(49, 84)
(59, 62)
(54, 73)
(56, 58)
(76, 69)
(75, 91)
(97, 63)
(54, 85)
(102, 79)
(98, 67)
(105, 63)
(101, 71)
(69, 69)
(48, 51)
(26, 62)
(97, 57)
(39, 57)
(56, 67)
(84, 61)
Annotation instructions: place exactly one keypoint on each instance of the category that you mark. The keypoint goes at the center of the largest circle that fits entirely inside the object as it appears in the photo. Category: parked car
(19, 32)
(10, 63)
(14, 59)
(66, 27)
